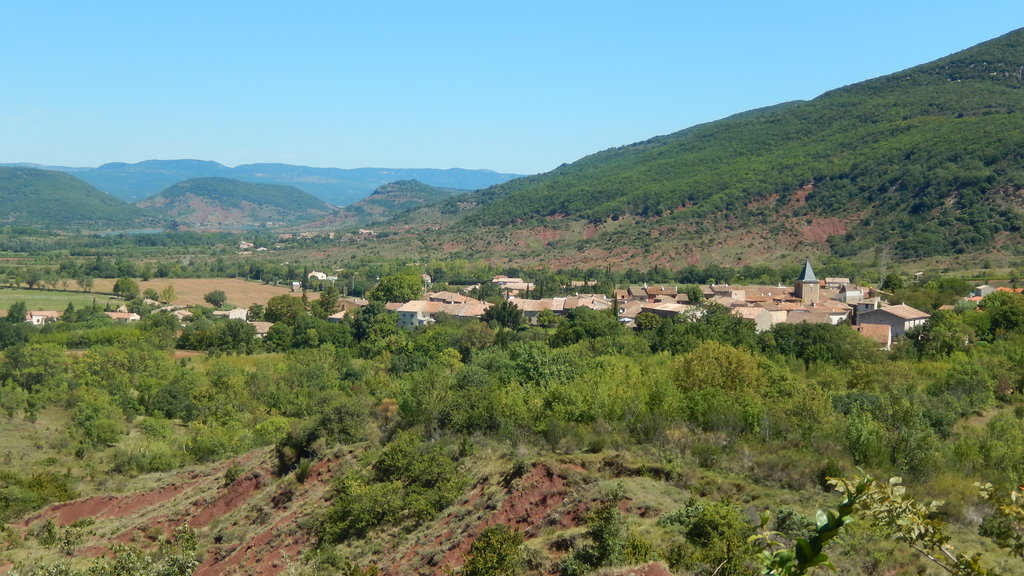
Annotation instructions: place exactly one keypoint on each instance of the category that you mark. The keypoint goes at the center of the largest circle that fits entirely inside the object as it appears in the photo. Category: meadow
(54, 299)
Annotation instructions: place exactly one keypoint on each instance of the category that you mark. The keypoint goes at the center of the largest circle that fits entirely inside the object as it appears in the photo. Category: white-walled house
(40, 317)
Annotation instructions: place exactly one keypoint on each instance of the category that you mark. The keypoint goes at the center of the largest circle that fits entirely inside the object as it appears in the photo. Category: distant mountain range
(55, 200)
(337, 186)
(927, 163)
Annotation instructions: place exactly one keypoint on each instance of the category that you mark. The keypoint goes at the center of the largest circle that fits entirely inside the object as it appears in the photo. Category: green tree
(101, 421)
(17, 312)
(397, 288)
(13, 399)
(279, 337)
(167, 294)
(255, 313)
(327, 304)
(1005, 311)
(583, 323)
(12, 333)
(647, 321)
(215, 298)
(505, 314)
(284, 308)
(126, 288)
(694, 294)
(84, 283)
(718, 535)
(32, 277)
(893, 281)
(548, 319)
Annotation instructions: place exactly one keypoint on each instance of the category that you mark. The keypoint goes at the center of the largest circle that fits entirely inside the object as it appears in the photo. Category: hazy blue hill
(346, 186)
(223, 202)
(925, 162)
(55, 200)
(133, 182)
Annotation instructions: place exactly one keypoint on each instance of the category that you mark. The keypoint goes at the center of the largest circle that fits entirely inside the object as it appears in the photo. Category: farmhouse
(234, 314)
(899, 318)
(40, 317)
(422, 312)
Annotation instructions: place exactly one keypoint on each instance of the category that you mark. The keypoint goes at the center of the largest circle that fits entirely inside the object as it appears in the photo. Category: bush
(497, 551)
(144, 457)
(232, 473)
(209, 443)
(717, 535)
(606, 530)
(20, 494)
(358, 506)
(302, 470)
(429, 475)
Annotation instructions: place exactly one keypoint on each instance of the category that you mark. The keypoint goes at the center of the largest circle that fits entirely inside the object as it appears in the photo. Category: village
(827, 300)
(810, 300)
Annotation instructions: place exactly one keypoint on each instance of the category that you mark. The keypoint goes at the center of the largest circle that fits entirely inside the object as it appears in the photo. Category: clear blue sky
(511, 86)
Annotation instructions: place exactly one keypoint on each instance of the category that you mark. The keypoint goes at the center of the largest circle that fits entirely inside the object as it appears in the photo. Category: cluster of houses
(809, 300)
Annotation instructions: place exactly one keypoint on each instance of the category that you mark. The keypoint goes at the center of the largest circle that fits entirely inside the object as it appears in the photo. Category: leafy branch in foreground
(807, 553)
(1009, 510)
(887, 506)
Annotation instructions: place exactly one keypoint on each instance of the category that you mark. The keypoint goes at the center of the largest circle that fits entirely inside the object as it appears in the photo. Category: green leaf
(821, 519)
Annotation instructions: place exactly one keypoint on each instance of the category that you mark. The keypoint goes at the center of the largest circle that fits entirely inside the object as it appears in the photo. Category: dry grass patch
(190, 291)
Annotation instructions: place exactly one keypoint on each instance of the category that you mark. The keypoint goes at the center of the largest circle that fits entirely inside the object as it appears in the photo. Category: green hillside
(397, 197)
(48, 199)
(924, 162)
(223, 202)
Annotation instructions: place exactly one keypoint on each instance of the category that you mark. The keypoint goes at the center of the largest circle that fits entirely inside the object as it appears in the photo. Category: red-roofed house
(123, 316)
(899, 317)
(881, 333)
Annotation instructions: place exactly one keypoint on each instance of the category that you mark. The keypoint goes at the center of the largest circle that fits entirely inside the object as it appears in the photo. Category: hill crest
(54, 200)
(922, 163)
(213, 202)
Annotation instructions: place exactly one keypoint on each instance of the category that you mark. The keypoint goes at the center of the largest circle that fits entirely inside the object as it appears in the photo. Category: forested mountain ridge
(921, 163)
(49, 199)
(220, 202)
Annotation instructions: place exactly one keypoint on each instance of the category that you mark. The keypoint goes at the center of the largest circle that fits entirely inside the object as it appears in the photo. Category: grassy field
(52, 299)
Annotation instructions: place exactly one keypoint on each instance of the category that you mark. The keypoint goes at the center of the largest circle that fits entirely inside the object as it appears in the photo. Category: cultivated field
(190, 291)
(52, 299)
